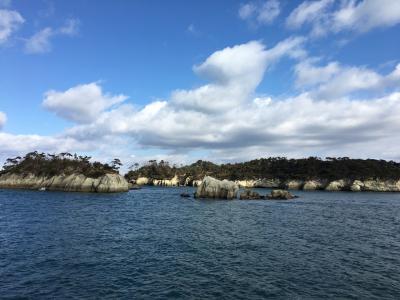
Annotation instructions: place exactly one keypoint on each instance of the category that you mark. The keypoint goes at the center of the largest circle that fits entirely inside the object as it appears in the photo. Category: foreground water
(152, 244)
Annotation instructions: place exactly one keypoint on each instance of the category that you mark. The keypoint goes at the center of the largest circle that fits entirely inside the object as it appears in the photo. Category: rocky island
(62, 172)
(329, 174)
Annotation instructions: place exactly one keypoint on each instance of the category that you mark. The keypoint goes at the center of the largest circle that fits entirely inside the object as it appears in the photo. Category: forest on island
(42, 164)
(274, 167)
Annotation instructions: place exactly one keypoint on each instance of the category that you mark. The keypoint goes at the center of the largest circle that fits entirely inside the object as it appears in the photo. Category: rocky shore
(370, 185)
(108, 183)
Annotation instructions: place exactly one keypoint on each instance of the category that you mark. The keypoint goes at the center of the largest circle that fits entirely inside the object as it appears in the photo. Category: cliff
(108, 183)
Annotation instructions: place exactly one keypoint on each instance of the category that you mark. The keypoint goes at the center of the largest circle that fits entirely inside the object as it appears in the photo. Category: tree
(116, 164)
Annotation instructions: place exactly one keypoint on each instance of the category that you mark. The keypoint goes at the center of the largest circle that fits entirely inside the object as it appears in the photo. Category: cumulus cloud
(358, 16)
(82, 104)
(10, 21)
(235, 72)
(228, 120)
(3, 119)
(334, 80)
(40, 42)
(260, 13)
(248, 126)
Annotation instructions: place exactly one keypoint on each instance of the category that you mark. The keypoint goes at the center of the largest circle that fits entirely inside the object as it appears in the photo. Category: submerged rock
(250, 195)
(217, 189)
(280, 195)
(185, 195)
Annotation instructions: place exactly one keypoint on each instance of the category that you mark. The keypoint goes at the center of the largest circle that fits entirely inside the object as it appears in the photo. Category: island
(62, 172)
(312, 173)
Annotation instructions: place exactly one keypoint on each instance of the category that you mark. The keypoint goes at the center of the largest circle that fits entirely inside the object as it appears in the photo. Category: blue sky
(218, 80)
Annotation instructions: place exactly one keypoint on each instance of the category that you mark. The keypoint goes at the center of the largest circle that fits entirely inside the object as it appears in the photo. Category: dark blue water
(152, 244)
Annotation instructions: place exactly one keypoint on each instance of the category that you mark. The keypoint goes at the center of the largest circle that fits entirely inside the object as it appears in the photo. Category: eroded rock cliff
(108, 183)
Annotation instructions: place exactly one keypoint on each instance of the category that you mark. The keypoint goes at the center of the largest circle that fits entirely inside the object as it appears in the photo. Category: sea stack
(217, 189)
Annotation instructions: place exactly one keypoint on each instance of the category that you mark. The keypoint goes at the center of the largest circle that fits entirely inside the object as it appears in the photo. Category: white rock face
(312, 185)
(245, 183)
(217, 189)
(376, 186)
(142, 181)
(267, 183)
(167, 182)
(294, 184)
(338, 185)
(109, 183)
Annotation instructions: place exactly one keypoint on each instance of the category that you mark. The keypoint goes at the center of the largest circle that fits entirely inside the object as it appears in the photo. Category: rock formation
(250, 195)
(370, 185)
(280, 195)
(338, 185)
(312, 185)
(217, 189)
(108, 183)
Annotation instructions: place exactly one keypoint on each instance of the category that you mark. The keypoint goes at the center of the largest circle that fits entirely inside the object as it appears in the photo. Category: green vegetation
(41, 164)
(275, 167)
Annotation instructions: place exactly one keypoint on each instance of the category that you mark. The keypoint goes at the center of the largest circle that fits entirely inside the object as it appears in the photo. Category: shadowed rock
(250, 195)
(280, 195)
(216, 189)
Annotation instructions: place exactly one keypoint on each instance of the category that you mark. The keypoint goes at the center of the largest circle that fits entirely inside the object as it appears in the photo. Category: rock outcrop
(217, 189)
(109, 183)
(338, 185)
(312, 185)
(370, 185)
(280, 195)
(375, 186)
(250, 195)
(167, 182)
(294, 184)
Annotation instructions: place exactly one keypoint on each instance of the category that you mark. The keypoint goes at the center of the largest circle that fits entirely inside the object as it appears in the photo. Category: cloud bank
(226, 119)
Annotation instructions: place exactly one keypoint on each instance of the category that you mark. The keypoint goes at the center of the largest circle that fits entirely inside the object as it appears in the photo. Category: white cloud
(365, 15)
(235, 72)
(82, 104)
(236, 124)
(10, 21)
(3, 119)
(260, 13)
(334, 80)
(40, 42)
(71, 27)
(226, 119)
(359, 16)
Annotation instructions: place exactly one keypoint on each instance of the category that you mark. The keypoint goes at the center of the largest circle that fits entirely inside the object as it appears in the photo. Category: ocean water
(153, 244)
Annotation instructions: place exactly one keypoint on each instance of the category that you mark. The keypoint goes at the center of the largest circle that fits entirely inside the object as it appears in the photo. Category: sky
(183, 80)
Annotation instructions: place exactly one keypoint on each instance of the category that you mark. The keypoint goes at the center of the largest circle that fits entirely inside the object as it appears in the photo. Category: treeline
(42, 164)
(275, 167)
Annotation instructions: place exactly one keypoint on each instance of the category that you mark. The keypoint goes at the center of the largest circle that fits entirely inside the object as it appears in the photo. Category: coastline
(368, 185)
(108, 183)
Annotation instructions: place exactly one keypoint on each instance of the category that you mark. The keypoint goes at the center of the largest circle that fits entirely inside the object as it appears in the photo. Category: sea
(153, 244)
